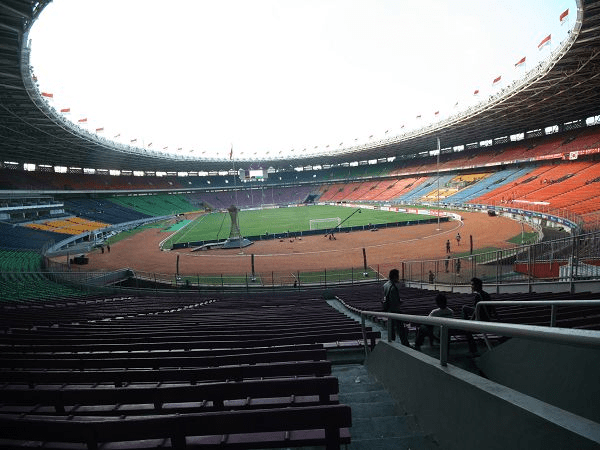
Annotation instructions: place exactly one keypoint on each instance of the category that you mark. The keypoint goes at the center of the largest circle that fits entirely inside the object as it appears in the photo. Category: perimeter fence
(572, 258)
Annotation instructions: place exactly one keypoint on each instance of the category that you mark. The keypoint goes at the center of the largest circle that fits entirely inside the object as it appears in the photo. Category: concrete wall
(465, 411)
(562, 375)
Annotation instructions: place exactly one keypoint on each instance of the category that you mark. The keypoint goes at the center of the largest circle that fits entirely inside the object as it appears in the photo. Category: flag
(231, 153)
(520, 62)
(476, 92)
(166, 148)
(437, 113)
(419, 116)
(99, 129)
(47, 95)
(84, 120)
(497, 80)
(150, 145)
(117, 135)
(545, 42)
(65, 110)
(564, 16)
(133, 140)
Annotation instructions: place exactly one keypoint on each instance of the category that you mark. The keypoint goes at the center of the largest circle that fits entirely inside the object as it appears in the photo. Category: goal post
(324, 224)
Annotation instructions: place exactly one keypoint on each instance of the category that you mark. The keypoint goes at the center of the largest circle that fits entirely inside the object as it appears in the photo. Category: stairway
(378, 423)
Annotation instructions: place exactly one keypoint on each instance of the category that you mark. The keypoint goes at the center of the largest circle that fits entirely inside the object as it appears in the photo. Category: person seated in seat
(432, 331)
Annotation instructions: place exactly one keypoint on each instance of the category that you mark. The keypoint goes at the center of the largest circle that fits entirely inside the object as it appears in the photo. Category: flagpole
(234, 176)
(438, 183)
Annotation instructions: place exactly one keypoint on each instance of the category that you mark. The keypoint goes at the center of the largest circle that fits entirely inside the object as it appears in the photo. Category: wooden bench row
(188, 375)
(325, 425)
(145, 360)
(46, 345)
(161, 335)
(152, 399)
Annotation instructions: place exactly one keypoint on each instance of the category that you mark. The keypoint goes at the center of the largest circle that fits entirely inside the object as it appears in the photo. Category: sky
(274, 78)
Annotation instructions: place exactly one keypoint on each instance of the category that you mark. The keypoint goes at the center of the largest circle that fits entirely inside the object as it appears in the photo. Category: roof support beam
(15, 10)
(10, 75)
(8, 86)
(10, 48)
(6, 26)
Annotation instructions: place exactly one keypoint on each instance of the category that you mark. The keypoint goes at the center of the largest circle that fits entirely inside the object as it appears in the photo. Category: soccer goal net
(324, 224)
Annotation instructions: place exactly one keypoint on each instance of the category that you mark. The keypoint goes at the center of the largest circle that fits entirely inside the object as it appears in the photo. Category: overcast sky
(272, 76)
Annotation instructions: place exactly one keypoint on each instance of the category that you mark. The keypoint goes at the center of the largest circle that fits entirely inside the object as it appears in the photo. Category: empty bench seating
(325, 425)
(147, 372)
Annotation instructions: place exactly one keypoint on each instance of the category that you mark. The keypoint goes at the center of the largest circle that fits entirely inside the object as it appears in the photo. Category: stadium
(153, 300)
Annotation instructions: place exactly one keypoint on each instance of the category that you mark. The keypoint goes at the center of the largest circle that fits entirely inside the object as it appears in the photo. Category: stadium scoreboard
(253, 175)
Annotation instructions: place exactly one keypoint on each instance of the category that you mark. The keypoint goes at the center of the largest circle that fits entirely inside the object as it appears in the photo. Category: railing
(554, 304)
(566, 259)
(567, 336)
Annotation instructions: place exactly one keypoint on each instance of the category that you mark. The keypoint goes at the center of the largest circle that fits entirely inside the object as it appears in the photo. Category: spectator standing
(484, 313)
(392, 303)
(431, 277)
(458, 239)
(448, 246)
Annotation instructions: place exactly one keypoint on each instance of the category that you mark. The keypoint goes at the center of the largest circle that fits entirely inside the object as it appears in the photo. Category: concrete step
(414, 442)
(375, 409)
(378, 422)
(383, 427)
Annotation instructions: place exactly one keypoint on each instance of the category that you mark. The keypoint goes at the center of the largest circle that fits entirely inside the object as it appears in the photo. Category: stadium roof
(561, 90)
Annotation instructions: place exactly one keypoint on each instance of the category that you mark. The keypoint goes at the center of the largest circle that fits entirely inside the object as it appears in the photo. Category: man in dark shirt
(484, 313)
(392, 302)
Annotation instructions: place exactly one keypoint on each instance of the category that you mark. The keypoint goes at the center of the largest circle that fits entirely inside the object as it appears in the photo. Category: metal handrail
(554, 304)
(568, 336)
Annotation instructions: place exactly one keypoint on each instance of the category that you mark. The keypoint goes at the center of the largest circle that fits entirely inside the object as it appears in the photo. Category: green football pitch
(216, 226)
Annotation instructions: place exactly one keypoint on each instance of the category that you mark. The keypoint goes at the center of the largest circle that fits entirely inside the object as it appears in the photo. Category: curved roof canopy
(559, 91)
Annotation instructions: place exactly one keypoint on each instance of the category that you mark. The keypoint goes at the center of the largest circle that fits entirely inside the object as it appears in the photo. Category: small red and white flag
(564, 16)
(497, 80)
(476, 92)
(520, 62)
(133, 141)
(150, 145)
(47, 95)
(546, 41)
(84, 120)
(437, 113)
(98, 130)
(65, 110)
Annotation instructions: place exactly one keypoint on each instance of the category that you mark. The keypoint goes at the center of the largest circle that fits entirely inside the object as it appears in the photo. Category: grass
(524, 238)
(304, 278)
(281, 220)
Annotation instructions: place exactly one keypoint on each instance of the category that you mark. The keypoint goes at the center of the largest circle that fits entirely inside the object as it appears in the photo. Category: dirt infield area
(384, 247)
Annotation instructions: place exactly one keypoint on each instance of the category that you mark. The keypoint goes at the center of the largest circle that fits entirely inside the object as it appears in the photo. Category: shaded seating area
(102, 210)
(182, 372)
